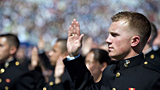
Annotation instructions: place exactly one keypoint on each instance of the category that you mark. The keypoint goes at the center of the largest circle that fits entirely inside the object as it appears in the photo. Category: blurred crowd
(51, 18)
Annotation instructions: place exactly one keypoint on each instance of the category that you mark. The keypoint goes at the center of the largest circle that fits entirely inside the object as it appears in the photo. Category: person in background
(12, 75)
(36, 68)
(96, 61)
(60, 79)
(88, 44)
(128, 34)
(156, 43)
(150, 54)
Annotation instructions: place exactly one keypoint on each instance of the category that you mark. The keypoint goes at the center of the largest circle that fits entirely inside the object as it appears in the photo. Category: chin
(111, 54)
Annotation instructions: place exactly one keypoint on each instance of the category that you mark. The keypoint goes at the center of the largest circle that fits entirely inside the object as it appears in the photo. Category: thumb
(80, 38)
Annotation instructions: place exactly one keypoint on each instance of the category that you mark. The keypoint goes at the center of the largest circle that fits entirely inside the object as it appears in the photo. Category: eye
(53, 50)
(114, 34)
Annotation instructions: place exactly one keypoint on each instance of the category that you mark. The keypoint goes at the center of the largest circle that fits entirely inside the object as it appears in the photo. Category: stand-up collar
(130, 62)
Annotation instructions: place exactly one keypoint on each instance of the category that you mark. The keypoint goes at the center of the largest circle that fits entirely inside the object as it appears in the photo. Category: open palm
(74, 42)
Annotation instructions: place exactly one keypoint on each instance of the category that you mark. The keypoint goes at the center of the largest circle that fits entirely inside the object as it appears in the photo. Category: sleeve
(39, 80)
(25, 82)
(46, 61)
(58, 87)
(80, 75)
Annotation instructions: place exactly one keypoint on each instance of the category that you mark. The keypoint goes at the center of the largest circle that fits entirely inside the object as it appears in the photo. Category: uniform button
(118, 74)
(2, 70)
(113, 88)
(44, 88)
(145, 62)
(152, 56)
(0, 80)
(50, 83)
(6, 88)
(16, 63)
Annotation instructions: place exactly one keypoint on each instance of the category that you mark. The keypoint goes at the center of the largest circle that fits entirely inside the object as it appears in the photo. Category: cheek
(121, 44)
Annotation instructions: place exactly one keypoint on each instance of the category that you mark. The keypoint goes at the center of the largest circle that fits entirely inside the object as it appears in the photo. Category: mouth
(110, 48)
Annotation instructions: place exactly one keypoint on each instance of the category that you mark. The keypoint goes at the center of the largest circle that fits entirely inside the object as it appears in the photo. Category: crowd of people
(30, 18)
(102, 49)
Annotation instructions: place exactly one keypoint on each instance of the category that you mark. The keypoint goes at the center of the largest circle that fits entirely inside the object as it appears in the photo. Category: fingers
(77, 29)
(69, 31)
(74, 28)
(34, 51)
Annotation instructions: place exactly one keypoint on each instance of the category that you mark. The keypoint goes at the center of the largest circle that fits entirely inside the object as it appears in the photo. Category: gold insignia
(0, 80)
(113, 88)
(125, 65)
(44, 88)
(16, 63)
(6, 65)
(152, 56)
(2, 70)
(118, 74)
(6, 88)
(145, 62)
(127, 62)
(50, 83)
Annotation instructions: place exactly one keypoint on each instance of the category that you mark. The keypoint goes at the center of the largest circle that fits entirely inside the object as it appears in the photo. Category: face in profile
(93, 66)
(4, 49)
(119, 40)
(55, 53)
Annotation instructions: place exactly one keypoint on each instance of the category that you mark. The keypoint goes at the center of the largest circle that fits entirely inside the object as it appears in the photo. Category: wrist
(73, 55)
(57, 80)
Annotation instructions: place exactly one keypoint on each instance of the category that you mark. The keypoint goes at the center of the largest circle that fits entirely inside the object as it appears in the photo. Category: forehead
(119, 25)
(3, 39)
(90, 56)
(56, 45)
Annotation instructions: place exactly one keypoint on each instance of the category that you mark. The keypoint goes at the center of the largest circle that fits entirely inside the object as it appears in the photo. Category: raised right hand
(74, 41)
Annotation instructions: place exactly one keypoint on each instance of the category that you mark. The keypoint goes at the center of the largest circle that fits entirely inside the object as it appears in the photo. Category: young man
(60, 79)
(128, 34)
(12, 76)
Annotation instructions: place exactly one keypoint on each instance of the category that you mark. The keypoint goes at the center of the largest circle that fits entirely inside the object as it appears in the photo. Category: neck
(131, 55)
(98, 78)
(9, 59)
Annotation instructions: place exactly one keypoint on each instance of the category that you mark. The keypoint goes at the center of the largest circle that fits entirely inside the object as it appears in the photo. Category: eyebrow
(113, 33)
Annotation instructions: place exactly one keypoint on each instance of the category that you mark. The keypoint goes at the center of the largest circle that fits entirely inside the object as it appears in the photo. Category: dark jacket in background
(66, 83)
(153, 57)
(14, 77)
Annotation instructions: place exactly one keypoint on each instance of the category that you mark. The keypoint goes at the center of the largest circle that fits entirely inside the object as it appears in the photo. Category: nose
(88, 66)
(108, 40)
(50, 53)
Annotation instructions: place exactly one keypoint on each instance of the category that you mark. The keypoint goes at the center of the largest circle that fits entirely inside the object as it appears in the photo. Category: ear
(13, 50)
(135, 41)
(104, 65)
